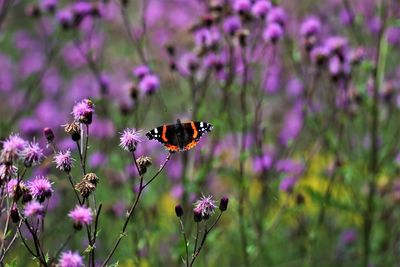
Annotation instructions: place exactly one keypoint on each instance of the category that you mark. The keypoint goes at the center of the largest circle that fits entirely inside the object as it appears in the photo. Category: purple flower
(119, 209)
(31, 62)
(188, 63)
(141, 71)
(51, 82)
(277, 15)
(336, 44)
(242, 6)
(82, 8)
(206, 206)
(319, 54)
(7, 71)
(232, 25)
(260, 8)
(63, 160)
(292, 124)
(311, 26)
(32, 154)
(7, 172)
(294, 87)
(149, 84)
(205, 37)
(12, 186)
(40, 188)
(81, 215)
(393, 35)
(97, 159)
(290, 166)
(287, 184)
(70, 259)
(12, 147)
(83, 111)
(263, 162)
(273, 33)
(33, 208)
(346, 17)
(48, 5)
(348, 237)
(129, 139)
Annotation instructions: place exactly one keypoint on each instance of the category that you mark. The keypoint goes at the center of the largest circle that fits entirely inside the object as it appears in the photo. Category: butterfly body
(180, 136)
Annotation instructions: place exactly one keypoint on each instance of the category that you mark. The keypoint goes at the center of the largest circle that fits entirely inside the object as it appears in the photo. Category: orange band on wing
(163, 135)
(195, 132)
(191, 145)
(171, 147)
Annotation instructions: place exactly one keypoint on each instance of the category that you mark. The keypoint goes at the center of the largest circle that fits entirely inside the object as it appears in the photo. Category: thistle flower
(63, 160)
(260, 9)
(273, 33)
(179, 211)
(206, 206)
(12, 148)
(33, 208)
(311, 26)
(223, 204)
(48, 5)
(231, 25)
(70, 259)
(65, 18)
(149, 84)
(81, 216)
(49, 134)
(141, 71)
(40, 188)
(277, 15)
(13, 190)
(242, 6)
(129, 139)
(32, 154)
(287, 184)
(83, 111)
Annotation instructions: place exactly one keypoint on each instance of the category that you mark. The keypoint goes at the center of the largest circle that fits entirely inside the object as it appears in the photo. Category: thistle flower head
(33, 208)
(12, 148)
(149, 84)
(141, 71)
(260, 9)
(12, 189)
(80, 216)
(32, 154)
(70, 259)
(7, 172)
(83, 111)
(129, 139)
(40, 188)
(63, 160)
(206, 205)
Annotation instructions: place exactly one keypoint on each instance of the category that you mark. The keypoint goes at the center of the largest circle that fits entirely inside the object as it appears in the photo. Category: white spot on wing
(155, 130)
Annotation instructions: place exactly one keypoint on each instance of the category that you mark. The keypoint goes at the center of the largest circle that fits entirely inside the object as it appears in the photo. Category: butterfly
(180, 136)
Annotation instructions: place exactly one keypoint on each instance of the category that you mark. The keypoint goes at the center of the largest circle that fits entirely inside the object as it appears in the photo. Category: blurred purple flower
(177, 191)
(374, 24)
(141, 71)
(12, 185)
(292, 124)
(290, 166)
(277, 15)
(242, 6)
(336, 44)
(348, 237)
(174, 170)
(97, 159)
(346, 17)
(31, 62)
(319, 54)
(261, 163)
(188, 63)
(65, 18)
(33, 208)
(393, 35)
(260, 8)
(23, 40)
(273, 33)
(287, 184)
(40, 188)
(81, 215)
(102, 129)
(205, 37)
(70, 259)
(231, 25)
(13, 147)
(129, 139)
(7, 72)
(273, 79)
(149, 84)
(294, 87)
(51, 82)
(73, 57)
(48, 5)
(309, 27)
(32, 154)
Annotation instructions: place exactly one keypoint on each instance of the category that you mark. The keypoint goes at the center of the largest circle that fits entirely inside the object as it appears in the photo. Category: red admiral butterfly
(180, 136)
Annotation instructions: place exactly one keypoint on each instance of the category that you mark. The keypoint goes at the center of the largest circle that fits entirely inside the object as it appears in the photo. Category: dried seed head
(91, 178)
(143, 162)
(49, 134)
(85, 188)
(74, 130)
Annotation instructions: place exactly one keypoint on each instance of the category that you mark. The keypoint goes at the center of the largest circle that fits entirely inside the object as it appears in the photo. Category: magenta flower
(206, 206)
(231, 25)
(32, 154)
(83, 111)
(70, 259)
(273, 33)
(141, 71)
(81, 216)
(33, 208)
(260, 9)
(149, 84)
(12, 185)
(12, 147)
(40, 188)
(63, 160)
(65, 18)
(277, 15)
(287, 184)
(242, 6)
(310, 27)
(129, 139)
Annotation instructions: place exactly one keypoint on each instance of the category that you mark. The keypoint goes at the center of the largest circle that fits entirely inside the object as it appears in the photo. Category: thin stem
(186, 242)
(158, 172)
(197, 238)
(73, 188)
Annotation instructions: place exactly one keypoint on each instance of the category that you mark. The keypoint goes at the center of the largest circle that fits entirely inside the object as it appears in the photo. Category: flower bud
(14, 214)
(223, 204)
(197, 215)
(179, 211)
(48, 133)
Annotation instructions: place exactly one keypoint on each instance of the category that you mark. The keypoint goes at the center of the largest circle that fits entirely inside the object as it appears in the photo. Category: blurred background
(304, 100)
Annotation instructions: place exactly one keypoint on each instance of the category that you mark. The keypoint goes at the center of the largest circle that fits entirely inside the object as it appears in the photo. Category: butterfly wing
(165, 135)
(193, 131)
